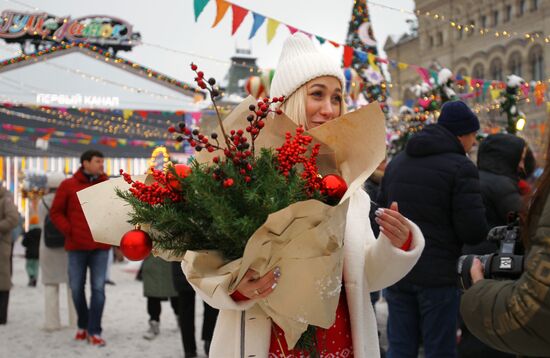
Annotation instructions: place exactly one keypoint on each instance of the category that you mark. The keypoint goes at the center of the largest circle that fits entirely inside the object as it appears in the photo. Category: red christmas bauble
(334, 186)
(136, 245)
(182, 171)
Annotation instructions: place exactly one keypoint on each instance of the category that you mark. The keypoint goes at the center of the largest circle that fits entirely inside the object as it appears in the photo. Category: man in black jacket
(437, 187)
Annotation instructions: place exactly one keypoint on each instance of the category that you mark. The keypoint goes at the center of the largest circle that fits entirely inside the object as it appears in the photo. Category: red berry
(194, 67)
(200, 74)
(228, 182)
(279, 111)
(247, 179)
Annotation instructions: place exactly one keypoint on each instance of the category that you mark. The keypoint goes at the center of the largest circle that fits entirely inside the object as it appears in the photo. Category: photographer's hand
(476, 271)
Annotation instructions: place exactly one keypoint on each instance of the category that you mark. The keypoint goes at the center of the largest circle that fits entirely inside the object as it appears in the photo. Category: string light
(472, 28)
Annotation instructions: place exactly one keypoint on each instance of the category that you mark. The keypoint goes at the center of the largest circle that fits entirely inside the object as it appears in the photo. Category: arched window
(514, 64)
(536, 63)
(478, 73)
(496, 69)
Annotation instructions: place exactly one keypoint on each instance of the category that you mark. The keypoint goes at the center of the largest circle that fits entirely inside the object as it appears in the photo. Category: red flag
(335, 44)
(238, 16)
(348, 56)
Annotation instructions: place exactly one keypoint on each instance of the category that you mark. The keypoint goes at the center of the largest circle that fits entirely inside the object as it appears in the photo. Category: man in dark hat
(437, 187)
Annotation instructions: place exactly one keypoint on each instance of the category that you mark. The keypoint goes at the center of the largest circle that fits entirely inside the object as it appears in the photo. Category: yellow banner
(495, 93)
(272, 26)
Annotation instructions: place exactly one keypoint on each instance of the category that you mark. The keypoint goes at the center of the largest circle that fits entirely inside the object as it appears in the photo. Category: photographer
(514, 316)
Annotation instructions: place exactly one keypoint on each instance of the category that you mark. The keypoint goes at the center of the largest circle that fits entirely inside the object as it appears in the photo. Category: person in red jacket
(83, 252)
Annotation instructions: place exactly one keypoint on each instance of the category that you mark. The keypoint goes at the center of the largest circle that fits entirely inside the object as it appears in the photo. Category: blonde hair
(295, 106)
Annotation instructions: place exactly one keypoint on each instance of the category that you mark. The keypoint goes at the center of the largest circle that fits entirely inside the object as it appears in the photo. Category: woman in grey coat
(9, 217)
(53, 265)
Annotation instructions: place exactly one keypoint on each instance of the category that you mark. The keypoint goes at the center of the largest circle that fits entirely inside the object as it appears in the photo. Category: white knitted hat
(300, 62)
(54, 179)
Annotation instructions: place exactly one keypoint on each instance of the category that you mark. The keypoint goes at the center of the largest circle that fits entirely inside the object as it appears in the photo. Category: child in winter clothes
(31, 240)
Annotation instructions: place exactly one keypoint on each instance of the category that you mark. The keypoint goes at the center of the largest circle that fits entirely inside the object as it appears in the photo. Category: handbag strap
(46, 205)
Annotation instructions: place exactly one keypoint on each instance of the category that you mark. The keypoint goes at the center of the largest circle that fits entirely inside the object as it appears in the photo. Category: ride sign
(103, 31)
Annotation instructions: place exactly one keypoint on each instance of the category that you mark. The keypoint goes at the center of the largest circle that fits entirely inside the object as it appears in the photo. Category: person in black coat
(437, 186)
(31, 241)
(500, 160)
(186, 317)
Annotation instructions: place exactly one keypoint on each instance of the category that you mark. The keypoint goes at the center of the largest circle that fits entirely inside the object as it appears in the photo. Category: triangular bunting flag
(362, 56)
(335, 44)
(423, 72)
(239, 14)
(402, 65)
(272, 26)
(434, 76)
(221, 10)
(292, 29)
(468, 80)
(372, 62)
(348, 56)
(199, 6)
(495, 94)
(320, 39)
(258, 21)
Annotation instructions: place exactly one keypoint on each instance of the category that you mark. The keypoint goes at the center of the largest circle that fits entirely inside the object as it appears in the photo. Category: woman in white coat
(313, 85)
(53, 264)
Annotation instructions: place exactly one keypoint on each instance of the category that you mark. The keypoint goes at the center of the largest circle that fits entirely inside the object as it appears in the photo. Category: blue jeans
(416, 312)
(79, 261)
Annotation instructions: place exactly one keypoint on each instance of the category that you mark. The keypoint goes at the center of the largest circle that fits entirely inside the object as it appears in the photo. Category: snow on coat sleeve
(513, 316)
(385, 264)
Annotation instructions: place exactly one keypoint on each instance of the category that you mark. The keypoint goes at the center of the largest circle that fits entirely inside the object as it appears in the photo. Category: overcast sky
(171, 24)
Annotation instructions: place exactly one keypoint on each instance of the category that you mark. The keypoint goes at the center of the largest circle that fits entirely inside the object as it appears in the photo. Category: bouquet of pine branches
(260, 193)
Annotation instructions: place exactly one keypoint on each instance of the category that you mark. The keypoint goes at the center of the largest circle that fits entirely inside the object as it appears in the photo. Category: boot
(4, 299)
(153, 331)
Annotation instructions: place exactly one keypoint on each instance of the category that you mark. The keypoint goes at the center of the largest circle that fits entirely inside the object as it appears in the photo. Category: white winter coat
(243, 330)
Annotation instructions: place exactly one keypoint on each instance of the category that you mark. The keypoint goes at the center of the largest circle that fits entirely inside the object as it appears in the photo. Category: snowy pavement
(124, 321)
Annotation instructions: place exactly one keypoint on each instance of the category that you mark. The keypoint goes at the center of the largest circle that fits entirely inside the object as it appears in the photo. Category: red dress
(336, 340)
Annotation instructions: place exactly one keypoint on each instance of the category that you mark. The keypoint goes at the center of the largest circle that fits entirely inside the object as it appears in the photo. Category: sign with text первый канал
(44, 29)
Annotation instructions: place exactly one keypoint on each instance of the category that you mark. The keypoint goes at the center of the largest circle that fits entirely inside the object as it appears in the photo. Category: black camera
(504, 264)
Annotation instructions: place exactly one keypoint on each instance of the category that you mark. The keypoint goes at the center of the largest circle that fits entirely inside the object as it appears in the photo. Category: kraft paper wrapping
(107, 214)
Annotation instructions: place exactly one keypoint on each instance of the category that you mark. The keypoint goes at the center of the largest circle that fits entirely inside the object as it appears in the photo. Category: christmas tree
(362, 54)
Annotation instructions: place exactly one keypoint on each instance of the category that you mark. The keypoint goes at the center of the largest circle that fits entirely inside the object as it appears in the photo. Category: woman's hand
(393, 225)
(254, 288)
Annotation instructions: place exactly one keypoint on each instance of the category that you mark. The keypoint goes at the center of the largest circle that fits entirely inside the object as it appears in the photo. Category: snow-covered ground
(124, 321)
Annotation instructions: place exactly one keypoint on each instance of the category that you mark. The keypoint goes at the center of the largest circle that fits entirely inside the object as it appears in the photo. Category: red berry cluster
(293, 152)
(195, 138)
(203, 84)
(153, 194)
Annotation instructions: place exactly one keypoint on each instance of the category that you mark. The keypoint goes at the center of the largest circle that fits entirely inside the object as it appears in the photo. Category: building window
(496, 69)
(521, 7)
(439, 38)
(534, 5)
(536, 63)
(508, 13)
(514, 64)
(431, 41)
(483, 21)
(495, 18)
